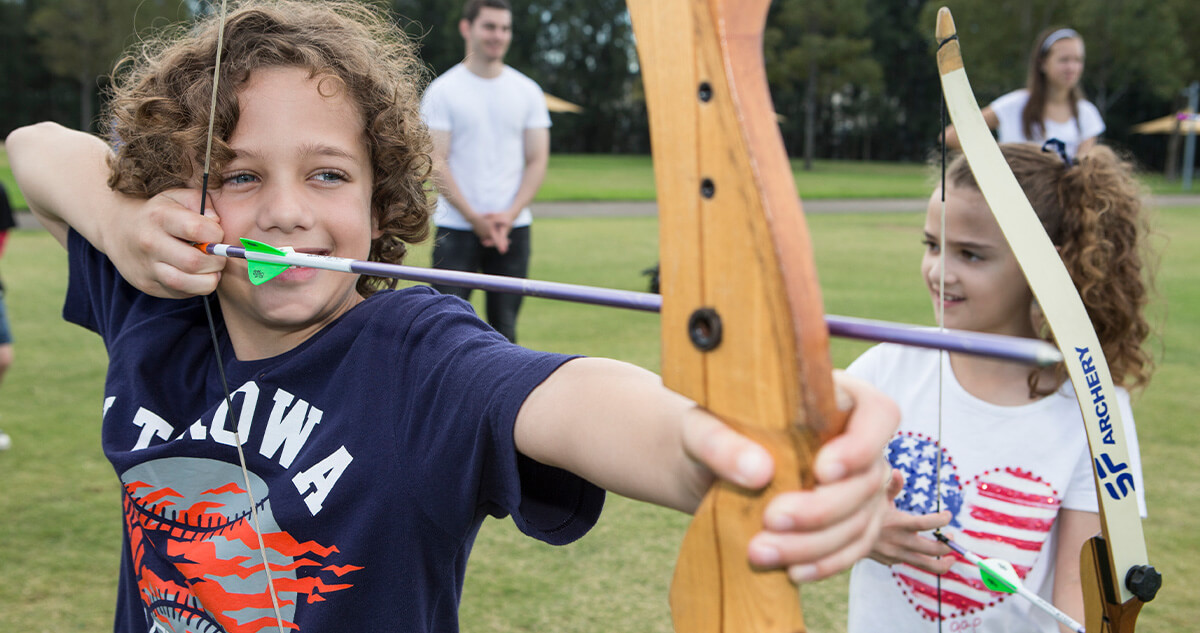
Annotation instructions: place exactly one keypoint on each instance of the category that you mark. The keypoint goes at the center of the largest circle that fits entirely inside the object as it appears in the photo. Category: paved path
(626, 208)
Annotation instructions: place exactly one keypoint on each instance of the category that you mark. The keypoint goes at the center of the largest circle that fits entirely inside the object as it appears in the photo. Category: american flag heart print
(1004, 513)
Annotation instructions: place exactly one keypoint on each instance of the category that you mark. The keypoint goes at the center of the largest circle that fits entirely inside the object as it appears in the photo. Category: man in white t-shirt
(491, 143)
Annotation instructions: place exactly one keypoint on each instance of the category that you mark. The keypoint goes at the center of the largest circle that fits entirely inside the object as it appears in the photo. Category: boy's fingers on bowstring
(180, 219)
(157, 255)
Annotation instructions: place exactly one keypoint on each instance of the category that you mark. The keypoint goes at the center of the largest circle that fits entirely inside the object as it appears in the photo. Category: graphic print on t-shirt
(194, 513)
(1004, 513)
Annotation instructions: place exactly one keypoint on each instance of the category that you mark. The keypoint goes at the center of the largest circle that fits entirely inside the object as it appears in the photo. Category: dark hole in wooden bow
(704, 329)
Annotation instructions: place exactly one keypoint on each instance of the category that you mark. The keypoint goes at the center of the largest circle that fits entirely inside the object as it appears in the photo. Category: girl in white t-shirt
(1015, 476)
(1051, 105)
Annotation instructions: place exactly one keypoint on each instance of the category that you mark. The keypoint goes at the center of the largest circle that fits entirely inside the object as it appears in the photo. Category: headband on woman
(1060, 34)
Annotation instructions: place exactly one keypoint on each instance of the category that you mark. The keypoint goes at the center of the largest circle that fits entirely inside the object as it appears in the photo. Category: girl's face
(301, 177)
(1063, 65)
(985, 290)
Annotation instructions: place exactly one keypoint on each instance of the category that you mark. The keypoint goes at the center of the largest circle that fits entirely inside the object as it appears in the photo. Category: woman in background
(1051, 105)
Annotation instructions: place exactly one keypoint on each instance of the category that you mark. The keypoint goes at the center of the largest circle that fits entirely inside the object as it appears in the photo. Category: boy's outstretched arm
(63, 174)
(617, 426)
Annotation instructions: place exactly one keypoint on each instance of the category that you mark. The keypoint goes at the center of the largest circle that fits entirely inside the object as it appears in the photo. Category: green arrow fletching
(262, 272)
(998, 575)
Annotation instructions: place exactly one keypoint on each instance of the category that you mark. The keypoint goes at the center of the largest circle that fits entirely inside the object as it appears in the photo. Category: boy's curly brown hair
(161, 95)
(1093, 212)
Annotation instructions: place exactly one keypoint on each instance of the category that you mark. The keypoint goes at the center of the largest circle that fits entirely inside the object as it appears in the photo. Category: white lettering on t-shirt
(151, 425)
(197, 431)
(225, 436)
(288, 428)
(315, 483)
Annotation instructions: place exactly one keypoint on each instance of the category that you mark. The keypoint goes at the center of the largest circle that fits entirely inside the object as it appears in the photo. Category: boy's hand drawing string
(212, 328)
(1117, 579)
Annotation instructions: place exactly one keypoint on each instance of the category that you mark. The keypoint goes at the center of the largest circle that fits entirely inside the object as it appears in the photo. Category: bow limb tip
(949, 56)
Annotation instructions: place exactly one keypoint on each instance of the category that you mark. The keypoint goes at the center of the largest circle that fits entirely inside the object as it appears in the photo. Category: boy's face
(301, 177)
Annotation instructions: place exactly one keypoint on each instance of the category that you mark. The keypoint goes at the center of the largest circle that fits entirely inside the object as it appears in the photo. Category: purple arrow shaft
(1013, 348)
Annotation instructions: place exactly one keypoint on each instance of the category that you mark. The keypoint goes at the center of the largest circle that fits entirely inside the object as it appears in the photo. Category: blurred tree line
(852, 79)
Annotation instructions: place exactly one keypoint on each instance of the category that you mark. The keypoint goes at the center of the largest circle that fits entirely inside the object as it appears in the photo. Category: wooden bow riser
(733, 242)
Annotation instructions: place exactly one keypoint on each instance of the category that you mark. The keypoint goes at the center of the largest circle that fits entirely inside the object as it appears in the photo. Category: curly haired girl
(1015, 479)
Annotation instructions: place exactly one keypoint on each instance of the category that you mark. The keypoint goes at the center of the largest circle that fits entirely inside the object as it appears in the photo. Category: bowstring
(212, 330)
(941, 353)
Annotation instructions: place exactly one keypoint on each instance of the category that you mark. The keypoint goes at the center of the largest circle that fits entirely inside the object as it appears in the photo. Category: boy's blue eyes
(247, 178)
(239, 179)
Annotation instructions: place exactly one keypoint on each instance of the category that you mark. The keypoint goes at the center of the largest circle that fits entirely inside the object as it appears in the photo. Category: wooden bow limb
(742, 326)
(1117, 578)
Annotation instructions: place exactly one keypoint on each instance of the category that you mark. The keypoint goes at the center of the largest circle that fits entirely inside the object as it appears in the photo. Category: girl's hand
(900, 542)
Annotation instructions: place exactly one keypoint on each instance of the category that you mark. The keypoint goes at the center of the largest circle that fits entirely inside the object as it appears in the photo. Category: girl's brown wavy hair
(160, 103)
(1092, 210)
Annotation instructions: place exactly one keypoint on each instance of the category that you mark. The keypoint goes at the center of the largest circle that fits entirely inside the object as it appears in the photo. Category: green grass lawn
(610, 177)
(10, 186)
(59, 500)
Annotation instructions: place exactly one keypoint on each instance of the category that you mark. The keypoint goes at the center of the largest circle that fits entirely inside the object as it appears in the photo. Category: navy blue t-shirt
(375, 450)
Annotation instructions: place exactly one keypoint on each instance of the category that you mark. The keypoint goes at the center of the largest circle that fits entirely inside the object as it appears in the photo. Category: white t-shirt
(1008, 109)
(487, 119)
(1005, 472)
